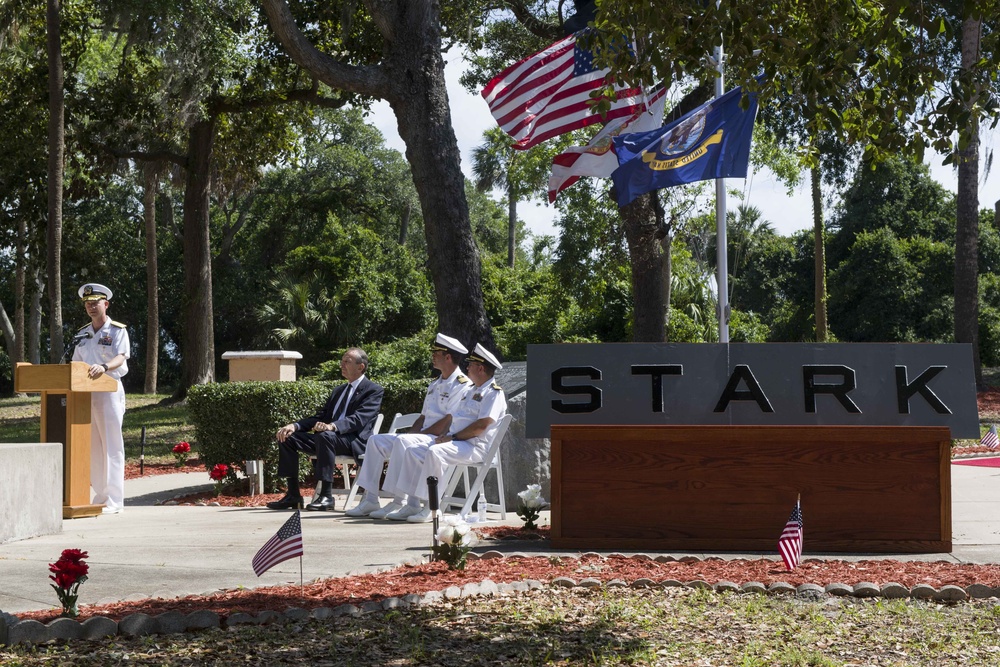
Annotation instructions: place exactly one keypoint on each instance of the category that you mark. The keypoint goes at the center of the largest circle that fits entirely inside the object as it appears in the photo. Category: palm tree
(746, 226)
(493, 164)
(300, 312)
(57, 140)
(150, 176)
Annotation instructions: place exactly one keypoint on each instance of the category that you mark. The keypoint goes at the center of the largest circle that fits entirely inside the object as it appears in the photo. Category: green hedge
(404, 358)
(403, 396)
(236, 421)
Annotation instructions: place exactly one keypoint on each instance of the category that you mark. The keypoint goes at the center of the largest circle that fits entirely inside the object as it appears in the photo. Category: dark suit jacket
(358, 420)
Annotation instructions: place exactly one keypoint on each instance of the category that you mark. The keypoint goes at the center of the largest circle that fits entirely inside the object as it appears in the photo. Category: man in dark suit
(341, 428)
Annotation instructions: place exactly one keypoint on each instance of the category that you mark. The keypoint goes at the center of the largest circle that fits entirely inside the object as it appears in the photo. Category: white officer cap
(483, 356)
(444, 343)
(94, 292)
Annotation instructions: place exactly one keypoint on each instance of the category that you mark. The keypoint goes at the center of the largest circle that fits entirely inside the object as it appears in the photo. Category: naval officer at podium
(104, 345)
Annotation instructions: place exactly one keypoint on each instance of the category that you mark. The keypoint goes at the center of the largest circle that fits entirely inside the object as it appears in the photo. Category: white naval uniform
(107, 409)
(477, 403)
(443, 395)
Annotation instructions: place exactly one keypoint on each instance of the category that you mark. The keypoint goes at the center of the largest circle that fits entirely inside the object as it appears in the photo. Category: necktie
(345, 399)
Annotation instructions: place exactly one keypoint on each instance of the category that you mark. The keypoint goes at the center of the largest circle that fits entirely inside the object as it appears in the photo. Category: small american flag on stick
(790, 544)
(989, 438)
(286, 543)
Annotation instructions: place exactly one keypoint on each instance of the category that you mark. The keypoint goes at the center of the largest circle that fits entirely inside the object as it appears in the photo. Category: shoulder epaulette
(461, 379)
(84, 326)
(495, 386)
(117, 324)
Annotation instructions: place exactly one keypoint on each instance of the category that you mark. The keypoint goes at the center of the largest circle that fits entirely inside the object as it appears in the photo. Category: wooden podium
(65, 390)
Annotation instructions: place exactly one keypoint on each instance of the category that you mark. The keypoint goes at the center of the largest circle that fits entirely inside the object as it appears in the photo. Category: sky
(787, 213)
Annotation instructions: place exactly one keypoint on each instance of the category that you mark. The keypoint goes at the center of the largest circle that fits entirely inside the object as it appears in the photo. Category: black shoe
(286, 503)
(321, 504)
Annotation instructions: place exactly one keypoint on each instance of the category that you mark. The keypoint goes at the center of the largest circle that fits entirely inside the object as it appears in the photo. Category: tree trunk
(198, 337)
(967, 218)
(819, 249)
(20, 273)
(55, 181)
(419, 98)
(411, 80)
(666, 275)
(648, 314)
(35, 320)
(404, 223)
(152, 279)
(511, 224)
(7, 329)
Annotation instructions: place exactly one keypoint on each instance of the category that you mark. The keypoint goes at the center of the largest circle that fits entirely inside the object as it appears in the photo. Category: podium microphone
(72, 344)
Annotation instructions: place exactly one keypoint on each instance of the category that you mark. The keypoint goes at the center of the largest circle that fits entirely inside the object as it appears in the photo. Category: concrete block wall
(31, 489)
(525, 460)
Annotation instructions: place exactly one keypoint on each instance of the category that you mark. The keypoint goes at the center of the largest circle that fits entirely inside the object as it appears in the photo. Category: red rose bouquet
(69, 572)
(218, 473)
(181, 451)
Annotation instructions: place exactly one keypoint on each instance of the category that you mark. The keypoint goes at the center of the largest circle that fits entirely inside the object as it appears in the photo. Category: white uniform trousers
(377, 450)
(107, 447)
(404, 464)
(434, 462)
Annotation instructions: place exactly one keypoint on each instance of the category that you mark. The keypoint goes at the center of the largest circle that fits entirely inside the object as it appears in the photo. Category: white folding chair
(399, 422)
(460, 472)
(345, 461)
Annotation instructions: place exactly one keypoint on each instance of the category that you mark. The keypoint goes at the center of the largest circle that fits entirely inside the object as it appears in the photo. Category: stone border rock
(15, 631)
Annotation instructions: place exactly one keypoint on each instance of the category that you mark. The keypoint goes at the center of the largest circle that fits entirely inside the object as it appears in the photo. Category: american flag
(989, 438)
(790, 544)
(286, 543)
(547, 94)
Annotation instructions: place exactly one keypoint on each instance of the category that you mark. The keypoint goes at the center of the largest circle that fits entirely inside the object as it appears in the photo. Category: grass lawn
(553, 626)
(166, 425)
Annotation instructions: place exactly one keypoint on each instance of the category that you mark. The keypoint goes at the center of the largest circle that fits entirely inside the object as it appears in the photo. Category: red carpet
(989, 462)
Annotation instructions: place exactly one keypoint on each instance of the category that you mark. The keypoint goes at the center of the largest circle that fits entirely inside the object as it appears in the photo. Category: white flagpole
(721, 256)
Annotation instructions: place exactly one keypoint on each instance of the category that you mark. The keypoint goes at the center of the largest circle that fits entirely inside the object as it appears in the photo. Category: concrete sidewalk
(169, 551)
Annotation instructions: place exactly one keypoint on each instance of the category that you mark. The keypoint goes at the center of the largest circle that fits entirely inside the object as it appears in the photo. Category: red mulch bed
(436, 576)
(244, 500)
(512, 533)
(989, 401)
(974, 450)
(150, 469)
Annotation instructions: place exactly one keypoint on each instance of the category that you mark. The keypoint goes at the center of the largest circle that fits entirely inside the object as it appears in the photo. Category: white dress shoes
(364, 508)
(403, 513)
(385, 511)
(423, 516)
(112, 510)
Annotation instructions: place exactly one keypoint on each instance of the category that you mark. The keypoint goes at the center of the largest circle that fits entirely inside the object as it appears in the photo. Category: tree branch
(369, 80)
(146, 156)
(225, 105)
(532, 23)
(379, 10)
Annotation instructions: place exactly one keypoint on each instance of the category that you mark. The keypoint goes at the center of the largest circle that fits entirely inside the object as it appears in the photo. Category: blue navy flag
(713, 141)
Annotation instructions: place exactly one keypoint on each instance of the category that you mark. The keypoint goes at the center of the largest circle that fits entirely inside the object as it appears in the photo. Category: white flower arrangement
(455, 538)
(531, 503)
